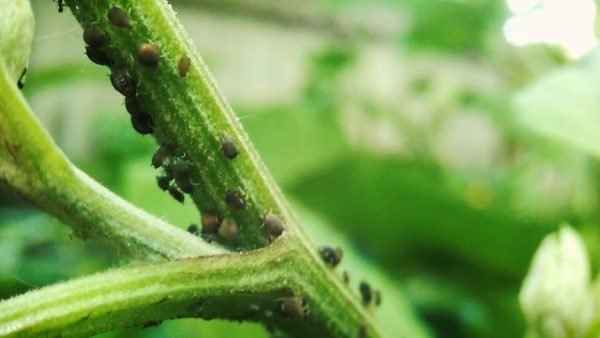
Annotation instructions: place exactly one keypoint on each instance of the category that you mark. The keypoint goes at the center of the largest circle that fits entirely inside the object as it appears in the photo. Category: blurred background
(436, 141)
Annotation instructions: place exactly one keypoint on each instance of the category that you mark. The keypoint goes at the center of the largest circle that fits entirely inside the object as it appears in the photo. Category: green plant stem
(242, 286)
(33, 166)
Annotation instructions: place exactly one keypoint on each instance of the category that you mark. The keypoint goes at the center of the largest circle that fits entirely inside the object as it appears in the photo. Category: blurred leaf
(564, 105)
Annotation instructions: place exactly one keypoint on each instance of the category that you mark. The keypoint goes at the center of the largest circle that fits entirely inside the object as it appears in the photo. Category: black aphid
(148, 55)
(235, 200)
(210, 222)
(142, 123)
(21, 81)
(330, 255)
(362, 331)
(60, 6)
(293, 306)
(365, 292)
(184, 65)
(123, 82)
(94, 36)
(158, 157)
(163, 182)
(192, 229)
(97, 56)
(229, 147)
(273, 225)
(184, 184)
(176, 194)
(181, 166)
(118, 17)
(229, 229)
(377, 297)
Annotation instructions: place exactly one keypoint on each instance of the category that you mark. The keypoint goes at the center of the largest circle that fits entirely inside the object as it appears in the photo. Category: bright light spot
(566, 23)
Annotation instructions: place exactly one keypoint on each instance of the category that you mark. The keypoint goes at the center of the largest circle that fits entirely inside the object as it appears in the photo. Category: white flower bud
(556, 296)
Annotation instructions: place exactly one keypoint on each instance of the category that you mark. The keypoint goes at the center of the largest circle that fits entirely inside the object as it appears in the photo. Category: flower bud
(556, 296)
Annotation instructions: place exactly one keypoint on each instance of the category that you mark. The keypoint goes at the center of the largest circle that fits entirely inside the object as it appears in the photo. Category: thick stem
(32, 165)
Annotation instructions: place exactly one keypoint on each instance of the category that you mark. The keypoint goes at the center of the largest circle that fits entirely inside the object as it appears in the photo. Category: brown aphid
(273, 225)
(163, 182)
(176, 194)
(94, 36)
(365, 292)
(235, 200)
(123, 82)
(330, 255)
(142, 123)
(184, 65)
(229, 147)
(148, 55)
(118, 18)
(229, 229)
(210, 222)
(293, 307)
(362, 331)
(377, 297)
(97, 56)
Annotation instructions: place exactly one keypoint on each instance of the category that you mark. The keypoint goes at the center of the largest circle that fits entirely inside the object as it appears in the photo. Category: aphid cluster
(331, 256)
(176, 168)
(213, 226)
(369, 295)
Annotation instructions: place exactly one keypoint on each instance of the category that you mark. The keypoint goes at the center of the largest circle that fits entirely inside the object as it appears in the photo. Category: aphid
(148, 55)
(235, 200)
(176, 194)
(181, 166)
(365, 292)
(346, 277)
(184, 65)
(60, 6)
(158, 157)
(21, 81)
(377, 297)
(142, 123)
(273, 225)
(192, 229)
(229, 147)
(293, 306)
(132, 106)
(98, 57)
(229, 229)
(330, 255)
(210, 222)
(362, 331)
(118, 17)
(123, 82)
(163, 182)
(184, 184)
(94, 37)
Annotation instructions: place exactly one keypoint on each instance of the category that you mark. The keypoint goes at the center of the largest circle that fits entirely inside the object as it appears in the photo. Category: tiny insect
(181, 166)
(273, 225)
(118, 17)
(148, 55)
(184, 184)
(377, 298)
(142, 123)
(60, 6)
(293, 306)
(346, 277)
(330, 255)
(158, 157)
(176, 194)
(235, 200)
(209, 221)
(229, 229)
(365, 292)
(192, 229)
(21, 81)
(97, 56)
(94, 37)
(123, 82)
(163, 182)
(362, 331)
(229, 147)
(184, 65)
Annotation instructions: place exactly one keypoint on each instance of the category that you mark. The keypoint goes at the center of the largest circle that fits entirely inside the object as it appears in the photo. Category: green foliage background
(410, 133)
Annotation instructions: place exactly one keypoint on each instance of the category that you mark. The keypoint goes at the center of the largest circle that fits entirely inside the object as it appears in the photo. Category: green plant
(250, 275)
